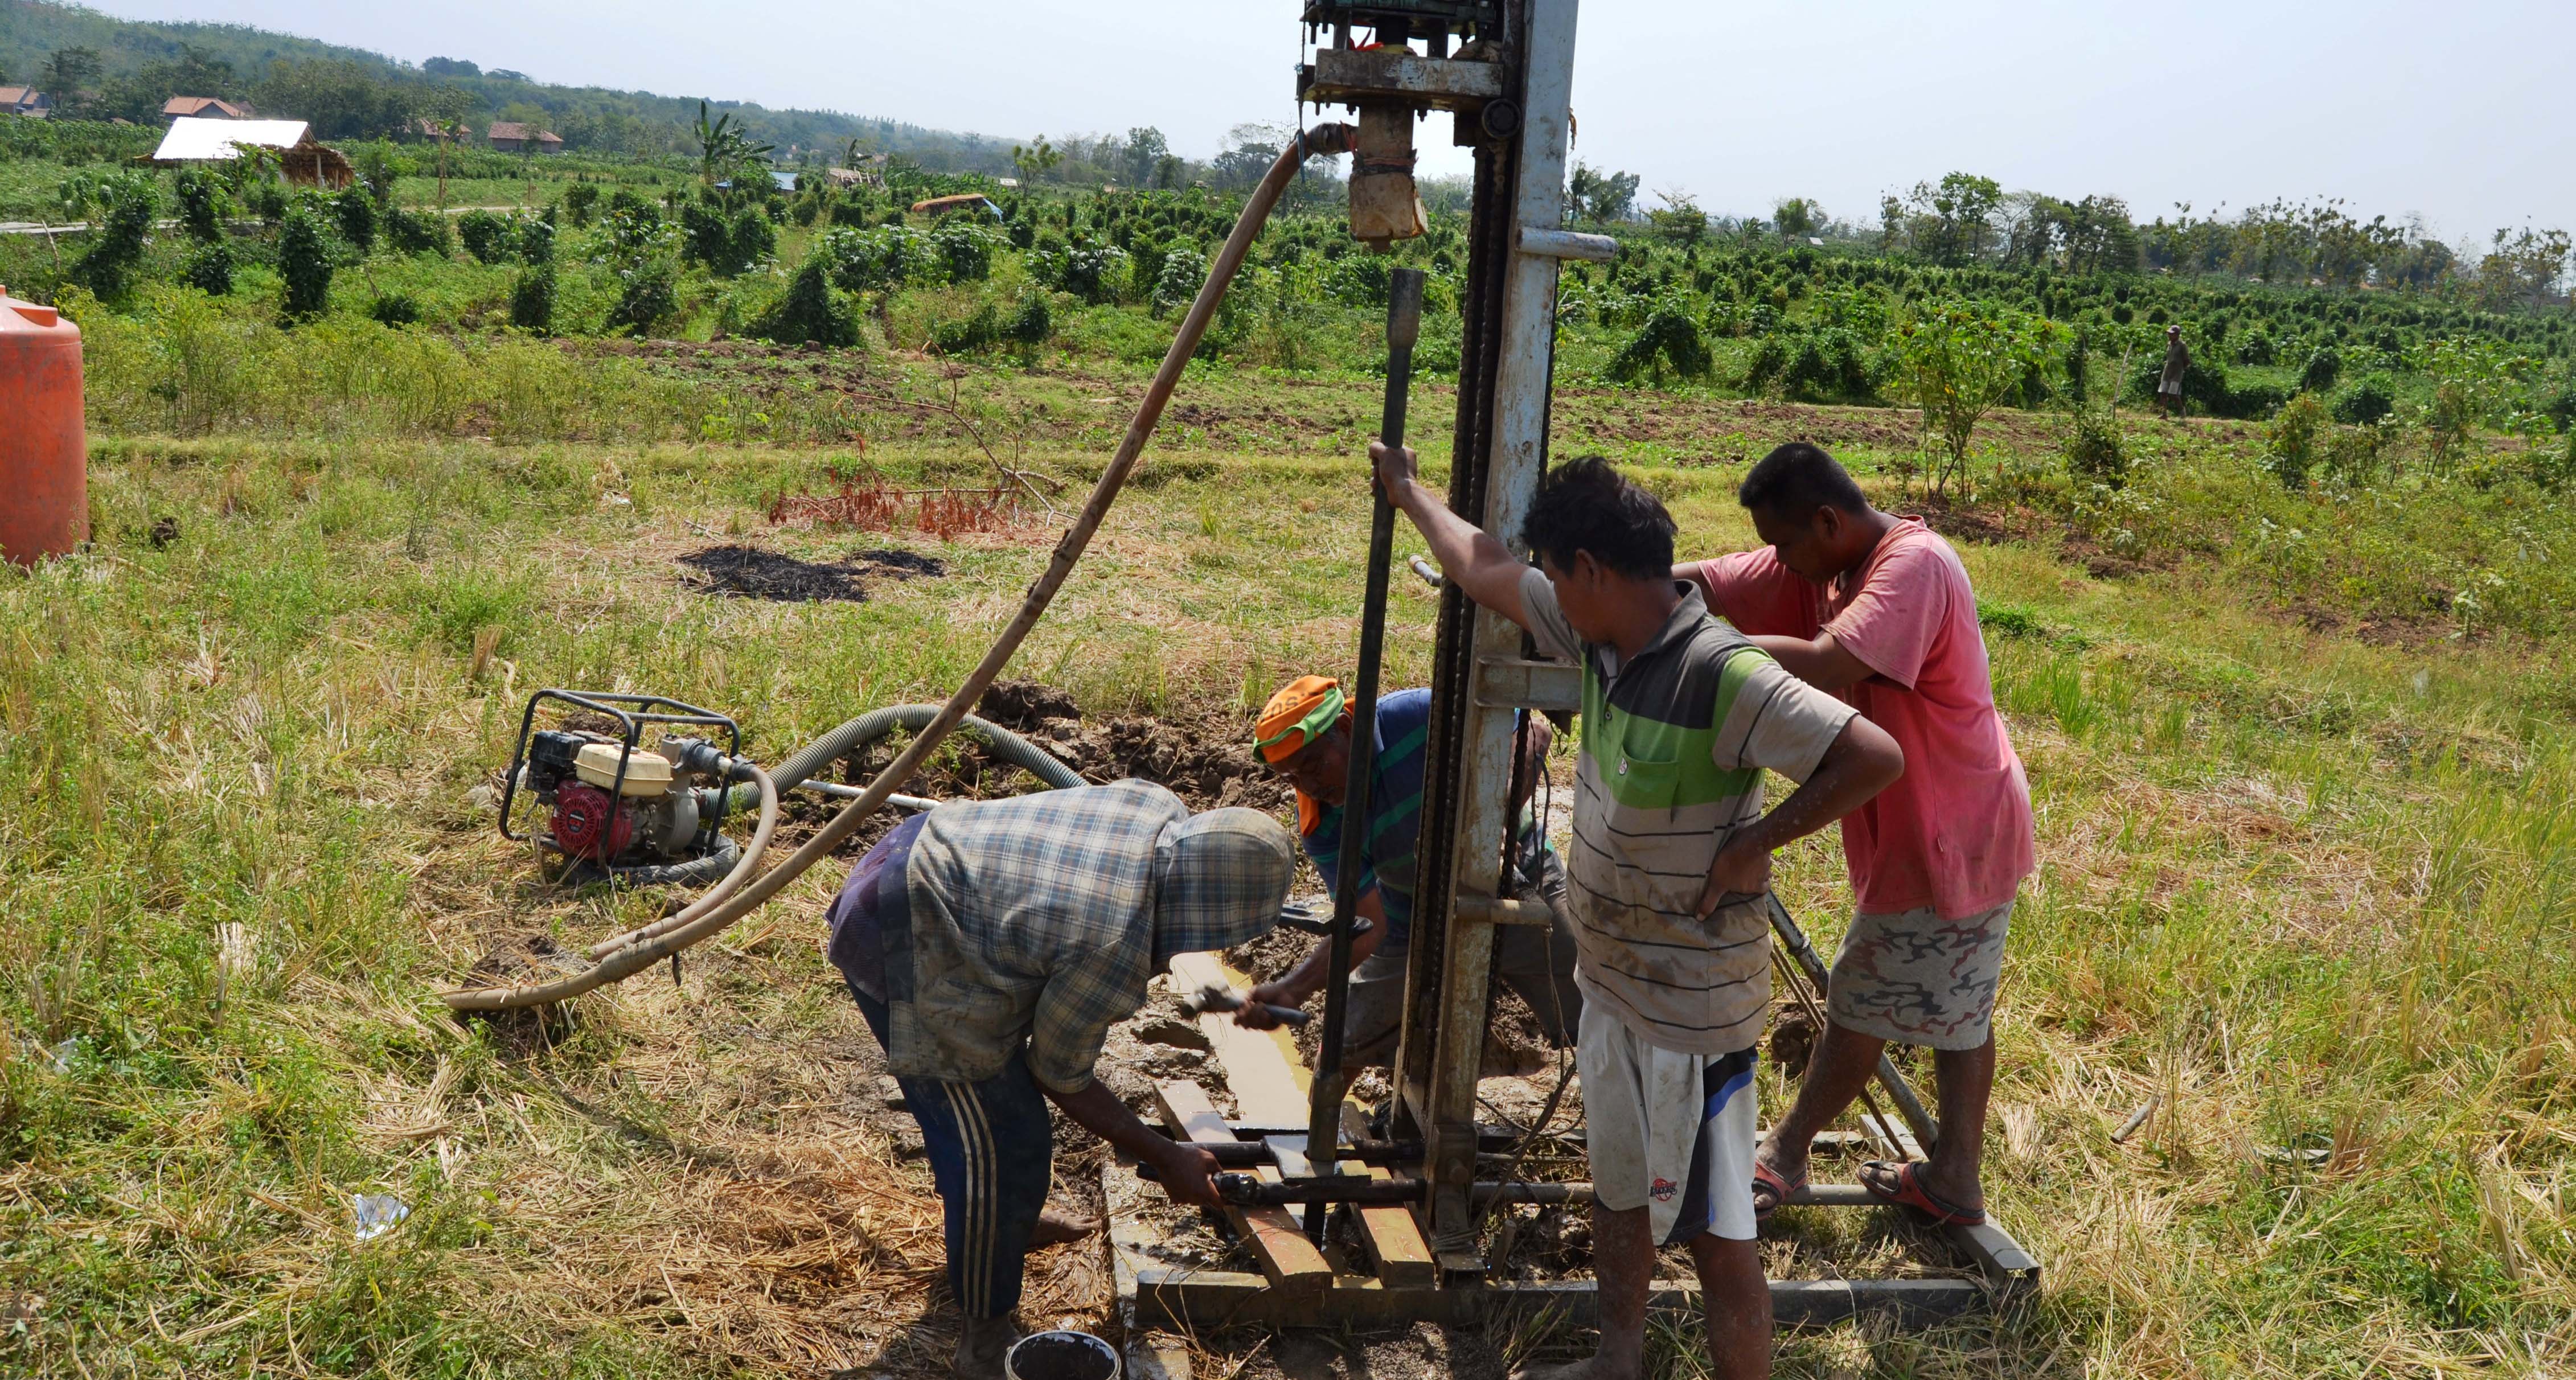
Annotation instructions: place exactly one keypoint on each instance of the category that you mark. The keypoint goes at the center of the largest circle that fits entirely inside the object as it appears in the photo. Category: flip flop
(1764, 1176)
(1910, 1193)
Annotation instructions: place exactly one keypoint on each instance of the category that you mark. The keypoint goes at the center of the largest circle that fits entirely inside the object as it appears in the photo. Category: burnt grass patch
(747, 572)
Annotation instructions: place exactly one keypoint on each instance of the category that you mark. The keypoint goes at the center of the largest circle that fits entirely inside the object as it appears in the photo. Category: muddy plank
(1288, 1259)
(1391, 1235)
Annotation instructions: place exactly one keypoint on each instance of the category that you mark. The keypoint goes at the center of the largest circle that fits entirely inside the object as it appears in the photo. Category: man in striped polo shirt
(1670, 863)
(1304, 734)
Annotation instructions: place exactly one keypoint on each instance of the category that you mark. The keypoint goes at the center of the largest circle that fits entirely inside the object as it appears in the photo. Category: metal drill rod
(1323, 1124)
(1918, 1119)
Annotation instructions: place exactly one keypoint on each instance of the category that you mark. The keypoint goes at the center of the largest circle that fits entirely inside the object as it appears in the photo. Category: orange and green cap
(1303, 710)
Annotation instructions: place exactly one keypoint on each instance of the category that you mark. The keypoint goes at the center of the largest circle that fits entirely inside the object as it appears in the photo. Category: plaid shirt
(1043, 917)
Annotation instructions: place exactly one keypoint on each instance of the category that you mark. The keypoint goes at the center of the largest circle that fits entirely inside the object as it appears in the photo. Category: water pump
(615, 804)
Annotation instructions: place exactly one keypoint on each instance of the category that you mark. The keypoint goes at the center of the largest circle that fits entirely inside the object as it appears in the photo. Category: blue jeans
(992, 1154)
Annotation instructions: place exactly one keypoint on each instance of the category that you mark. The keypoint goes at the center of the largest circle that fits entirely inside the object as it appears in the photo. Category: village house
(512, 136)
(202, 108)
(25, 100)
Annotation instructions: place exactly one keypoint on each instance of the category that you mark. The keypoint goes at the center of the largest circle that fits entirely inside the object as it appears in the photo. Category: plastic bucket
(1061, 1355)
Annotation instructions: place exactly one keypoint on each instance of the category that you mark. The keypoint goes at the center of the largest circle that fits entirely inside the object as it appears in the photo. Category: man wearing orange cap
(1304, 734)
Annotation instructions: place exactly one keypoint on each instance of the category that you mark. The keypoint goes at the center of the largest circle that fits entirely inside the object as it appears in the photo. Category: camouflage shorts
(1918, 979)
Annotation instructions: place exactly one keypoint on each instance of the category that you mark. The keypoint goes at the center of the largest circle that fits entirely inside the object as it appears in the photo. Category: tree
(340, 97)
(445, 109)
(1034, 161)
(1679, 219)
(1592, 194)
(1797, 217)
(1950, 222)
(1145, 148)
(725, 153)
(70, 73)
(1958, 361)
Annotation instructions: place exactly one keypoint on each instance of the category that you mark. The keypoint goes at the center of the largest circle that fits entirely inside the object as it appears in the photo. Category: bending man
(991, 945)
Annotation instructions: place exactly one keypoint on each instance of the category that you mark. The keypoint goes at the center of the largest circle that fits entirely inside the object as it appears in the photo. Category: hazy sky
(2455, 111)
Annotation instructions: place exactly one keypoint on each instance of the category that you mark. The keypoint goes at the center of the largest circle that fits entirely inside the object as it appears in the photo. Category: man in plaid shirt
(991, 945)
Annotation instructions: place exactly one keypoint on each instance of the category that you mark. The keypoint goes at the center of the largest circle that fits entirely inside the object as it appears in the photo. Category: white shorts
(1672, 1133)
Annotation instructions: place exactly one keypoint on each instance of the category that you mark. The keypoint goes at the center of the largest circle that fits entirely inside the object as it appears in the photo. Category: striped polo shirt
(1675, 741)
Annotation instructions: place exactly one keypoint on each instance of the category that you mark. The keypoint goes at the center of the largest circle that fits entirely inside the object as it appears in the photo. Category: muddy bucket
(1061, 1355)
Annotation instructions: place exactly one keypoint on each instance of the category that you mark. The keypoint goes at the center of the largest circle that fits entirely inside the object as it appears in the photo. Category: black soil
(747, 572)
(899, 564)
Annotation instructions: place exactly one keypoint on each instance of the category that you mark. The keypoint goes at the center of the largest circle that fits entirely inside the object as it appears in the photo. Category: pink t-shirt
(1954, 833)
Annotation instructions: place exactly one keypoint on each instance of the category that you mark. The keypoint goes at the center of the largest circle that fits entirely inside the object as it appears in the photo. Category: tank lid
(28, 312)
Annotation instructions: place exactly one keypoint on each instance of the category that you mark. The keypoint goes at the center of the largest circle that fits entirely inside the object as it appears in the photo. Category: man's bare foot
(981, 1347)
(1056, 1226)
(1594, 1367)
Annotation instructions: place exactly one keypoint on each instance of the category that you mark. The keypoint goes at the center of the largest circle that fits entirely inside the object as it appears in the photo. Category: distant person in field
(990, 945)
(1304, 734)
(1668, 871)
(1877, 608)
(2177, 363)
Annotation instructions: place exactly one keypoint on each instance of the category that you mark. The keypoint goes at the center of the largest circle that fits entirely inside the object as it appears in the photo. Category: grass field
(2303, 879)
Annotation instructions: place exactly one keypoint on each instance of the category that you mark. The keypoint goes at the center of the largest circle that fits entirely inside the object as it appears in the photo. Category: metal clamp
(1494, 910)
(1567, 244)
(1509, 682)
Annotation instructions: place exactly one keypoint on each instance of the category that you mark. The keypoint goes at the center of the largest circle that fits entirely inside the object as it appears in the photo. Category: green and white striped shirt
(1674, 744)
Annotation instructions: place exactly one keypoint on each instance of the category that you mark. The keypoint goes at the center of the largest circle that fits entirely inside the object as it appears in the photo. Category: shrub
(751, 238)
(210, 269)
(1033, 322)
(1670, 338)
(126, 204)
(537, 242)
(1091, 271)
(532, 300)
(2367, 400)
(1183, 273)
(974, 333)
(485, 236)
(408, 232)
(2324, 366)
(813, 310)
(966, 249)
(578, 199)
(2291, 444)
(2094, 451)
(356, 213)
(395, 309)
(304, 261)
(201, 204)
(651, 296)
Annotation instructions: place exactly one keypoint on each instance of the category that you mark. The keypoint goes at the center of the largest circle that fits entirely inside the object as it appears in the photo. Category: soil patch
(899, 564)
(747, 572)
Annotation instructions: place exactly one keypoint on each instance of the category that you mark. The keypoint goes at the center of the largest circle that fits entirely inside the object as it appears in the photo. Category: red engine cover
(582, 817)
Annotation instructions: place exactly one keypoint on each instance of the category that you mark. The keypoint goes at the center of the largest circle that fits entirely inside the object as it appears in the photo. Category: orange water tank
(44, 459)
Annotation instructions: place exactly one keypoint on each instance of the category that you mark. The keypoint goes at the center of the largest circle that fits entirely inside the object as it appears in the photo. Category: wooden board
(1392, 1236)
(1288, 1259)
(1272, 1087)
(1261, 1066)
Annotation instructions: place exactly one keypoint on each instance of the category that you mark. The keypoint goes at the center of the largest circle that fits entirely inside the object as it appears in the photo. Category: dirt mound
(747, 572)
(1021, 705)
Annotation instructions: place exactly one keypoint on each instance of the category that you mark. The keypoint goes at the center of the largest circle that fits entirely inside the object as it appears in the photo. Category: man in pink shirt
(1877, 608)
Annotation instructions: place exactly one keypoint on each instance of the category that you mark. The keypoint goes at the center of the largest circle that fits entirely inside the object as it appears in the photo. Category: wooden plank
(1288, 1259)
(1390, 1234)
(1261, 1066)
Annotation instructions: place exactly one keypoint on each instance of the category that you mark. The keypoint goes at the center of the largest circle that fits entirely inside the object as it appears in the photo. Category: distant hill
(350, 92)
